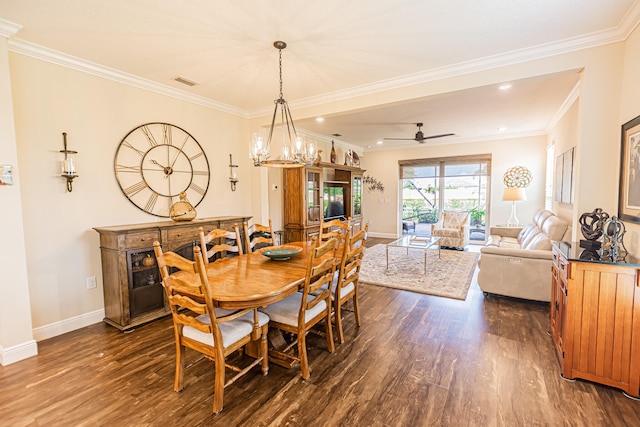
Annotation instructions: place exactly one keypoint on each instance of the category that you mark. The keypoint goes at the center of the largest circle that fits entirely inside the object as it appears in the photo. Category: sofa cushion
(529, 236)
(540, 216)
(526, 230)
(539, 242)
(554, 227)
(510, 243)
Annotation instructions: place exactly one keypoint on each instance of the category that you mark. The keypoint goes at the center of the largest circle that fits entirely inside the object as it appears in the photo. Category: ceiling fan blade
(399, 139)
(436, 136)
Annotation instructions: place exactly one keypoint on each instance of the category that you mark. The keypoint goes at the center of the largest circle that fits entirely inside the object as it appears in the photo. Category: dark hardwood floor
(418, 360)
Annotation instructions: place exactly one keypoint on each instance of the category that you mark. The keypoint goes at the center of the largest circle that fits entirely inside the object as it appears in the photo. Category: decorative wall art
(351, 158)
(6, 177)
(629, 188)
(564, 177)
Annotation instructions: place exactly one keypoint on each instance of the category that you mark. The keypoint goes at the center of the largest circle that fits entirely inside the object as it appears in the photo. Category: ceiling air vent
(185, 81)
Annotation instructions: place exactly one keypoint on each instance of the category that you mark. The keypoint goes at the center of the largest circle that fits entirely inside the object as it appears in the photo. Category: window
(430, 186)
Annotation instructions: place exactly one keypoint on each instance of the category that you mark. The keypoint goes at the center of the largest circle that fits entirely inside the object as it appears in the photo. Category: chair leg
(356, 308)
(178, 382)
(302, 354)
(218, 388)
(338, 312)
(264, 349)
(329, 328)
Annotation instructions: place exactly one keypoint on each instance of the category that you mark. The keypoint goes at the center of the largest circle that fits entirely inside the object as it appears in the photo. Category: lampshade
(514, 194)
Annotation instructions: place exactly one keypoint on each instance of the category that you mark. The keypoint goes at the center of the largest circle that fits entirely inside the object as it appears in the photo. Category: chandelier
(296, 152)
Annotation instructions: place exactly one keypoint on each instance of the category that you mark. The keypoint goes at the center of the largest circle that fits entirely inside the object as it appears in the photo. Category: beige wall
(629, 109)
(383, 210)
(16, 336)
(565, 136)
(62, 249)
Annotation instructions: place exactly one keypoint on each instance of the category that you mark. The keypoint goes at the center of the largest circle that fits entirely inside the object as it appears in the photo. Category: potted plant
(477, 217)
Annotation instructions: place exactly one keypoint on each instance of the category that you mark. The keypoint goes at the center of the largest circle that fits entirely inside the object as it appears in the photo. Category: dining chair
(335, 228)
(299, 312)
(220, 243)
(257, 236)
(345, 288)
(215, 333)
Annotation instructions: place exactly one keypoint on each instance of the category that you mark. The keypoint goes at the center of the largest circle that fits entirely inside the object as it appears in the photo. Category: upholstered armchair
(453, 229)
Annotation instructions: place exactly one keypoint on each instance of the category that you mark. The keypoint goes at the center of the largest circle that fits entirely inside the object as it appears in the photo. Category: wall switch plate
(91, 282)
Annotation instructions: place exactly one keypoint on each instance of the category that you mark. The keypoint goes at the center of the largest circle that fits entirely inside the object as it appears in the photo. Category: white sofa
(516, 261)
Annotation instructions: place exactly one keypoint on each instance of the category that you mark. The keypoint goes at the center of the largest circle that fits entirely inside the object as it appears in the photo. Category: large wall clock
(155, 162)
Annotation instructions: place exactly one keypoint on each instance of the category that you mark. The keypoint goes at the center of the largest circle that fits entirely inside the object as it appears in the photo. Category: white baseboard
(18, 352)
(62, 327)
(383, 235)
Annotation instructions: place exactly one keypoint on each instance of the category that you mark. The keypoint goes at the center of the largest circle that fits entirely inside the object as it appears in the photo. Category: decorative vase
(182, 210)
(148, 261)
(333, 153)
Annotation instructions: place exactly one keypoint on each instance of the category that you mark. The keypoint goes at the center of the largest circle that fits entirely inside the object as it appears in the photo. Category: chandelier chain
(280, 67)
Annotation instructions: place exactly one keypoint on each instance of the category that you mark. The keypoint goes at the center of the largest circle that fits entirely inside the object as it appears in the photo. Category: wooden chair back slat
(257, 234)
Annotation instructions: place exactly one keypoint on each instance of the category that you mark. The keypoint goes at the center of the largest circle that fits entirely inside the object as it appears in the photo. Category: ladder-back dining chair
(299, 312)
(220, 243)
(213, 332)
(335, 228)
(257, 236)
(346, 287)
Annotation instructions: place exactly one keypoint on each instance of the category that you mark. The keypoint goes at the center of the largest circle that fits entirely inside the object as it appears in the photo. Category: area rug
(448, 276)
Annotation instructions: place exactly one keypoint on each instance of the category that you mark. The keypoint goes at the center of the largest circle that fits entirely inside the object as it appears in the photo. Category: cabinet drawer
(561, 264)
(184, 233)
(141, 240)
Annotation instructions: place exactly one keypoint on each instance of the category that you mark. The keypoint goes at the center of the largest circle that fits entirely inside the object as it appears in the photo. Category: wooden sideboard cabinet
(132, 286)
(595, 317)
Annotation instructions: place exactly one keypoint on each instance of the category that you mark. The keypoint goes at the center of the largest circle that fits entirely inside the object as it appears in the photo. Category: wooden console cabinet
(595, 317)
(132, 286)
(303, 209)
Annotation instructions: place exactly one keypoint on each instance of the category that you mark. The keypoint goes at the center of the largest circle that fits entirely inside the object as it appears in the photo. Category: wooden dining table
(253, 280)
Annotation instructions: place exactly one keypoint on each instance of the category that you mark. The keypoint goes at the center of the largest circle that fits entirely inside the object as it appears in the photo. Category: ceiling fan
(420, 137)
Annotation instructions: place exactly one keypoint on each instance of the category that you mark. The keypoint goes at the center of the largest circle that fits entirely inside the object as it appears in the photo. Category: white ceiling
(335, 47)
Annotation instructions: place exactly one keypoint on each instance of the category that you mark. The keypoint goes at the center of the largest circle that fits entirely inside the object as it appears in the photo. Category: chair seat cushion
(448, 232)
(232, 331)
(286, 311)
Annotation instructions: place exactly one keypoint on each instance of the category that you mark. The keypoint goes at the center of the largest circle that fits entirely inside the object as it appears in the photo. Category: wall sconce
(68, 164)
(233, 173)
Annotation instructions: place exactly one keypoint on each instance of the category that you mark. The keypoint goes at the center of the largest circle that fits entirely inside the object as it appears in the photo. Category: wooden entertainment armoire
(304, 198)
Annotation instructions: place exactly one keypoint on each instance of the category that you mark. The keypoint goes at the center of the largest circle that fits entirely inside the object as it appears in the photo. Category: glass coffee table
(415, 243)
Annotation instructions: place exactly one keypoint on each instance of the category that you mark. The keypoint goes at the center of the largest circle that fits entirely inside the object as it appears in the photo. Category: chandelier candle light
(296, 152)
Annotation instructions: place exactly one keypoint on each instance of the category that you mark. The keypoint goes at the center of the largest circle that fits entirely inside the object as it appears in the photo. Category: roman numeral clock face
(155, 162)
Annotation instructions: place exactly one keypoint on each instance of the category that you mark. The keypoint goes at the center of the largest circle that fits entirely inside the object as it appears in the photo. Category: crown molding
(600, 38)
(8, 29)
(568, 102)
(49, 55)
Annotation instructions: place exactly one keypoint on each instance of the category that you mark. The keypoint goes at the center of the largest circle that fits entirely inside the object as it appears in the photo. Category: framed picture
(567, 177)
(629, 192)
(557, 187)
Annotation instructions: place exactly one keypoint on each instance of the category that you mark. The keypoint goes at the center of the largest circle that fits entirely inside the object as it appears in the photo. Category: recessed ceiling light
(502, 129)
(320, 119)
(380, 142)
(505, 86)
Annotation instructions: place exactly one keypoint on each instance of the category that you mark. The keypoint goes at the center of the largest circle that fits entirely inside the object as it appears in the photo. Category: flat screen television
(333, 202)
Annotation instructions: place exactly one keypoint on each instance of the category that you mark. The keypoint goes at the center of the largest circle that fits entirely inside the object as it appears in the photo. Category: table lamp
(513, 194)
